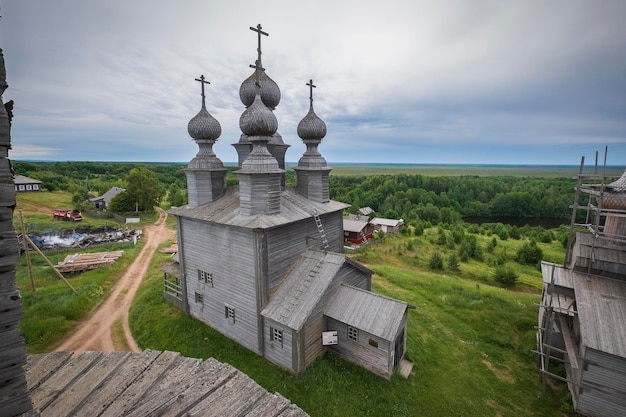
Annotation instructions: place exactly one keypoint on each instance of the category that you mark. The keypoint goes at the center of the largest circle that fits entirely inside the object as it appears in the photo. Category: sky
(398, 81)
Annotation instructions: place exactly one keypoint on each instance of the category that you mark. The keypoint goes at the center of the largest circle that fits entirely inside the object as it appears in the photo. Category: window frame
(353, 333)
(276, 336)
(229, 313)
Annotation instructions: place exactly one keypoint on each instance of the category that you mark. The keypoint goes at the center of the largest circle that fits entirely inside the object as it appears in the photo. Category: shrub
(529, 253)
(506, 275)
(436, 261)
(453, 263)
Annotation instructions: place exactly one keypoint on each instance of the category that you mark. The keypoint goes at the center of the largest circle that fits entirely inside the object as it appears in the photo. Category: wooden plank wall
(274, 352)
(603, 386)
(14, 397)
(228, 253)
(374, 359)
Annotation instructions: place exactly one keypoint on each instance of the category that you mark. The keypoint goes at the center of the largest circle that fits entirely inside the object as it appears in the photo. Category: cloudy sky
(404, 81)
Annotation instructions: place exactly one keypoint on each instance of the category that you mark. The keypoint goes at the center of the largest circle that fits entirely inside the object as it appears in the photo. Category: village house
(264, 264)
(357, 230)
(582, 316)
(102, 202)
(25, 184)
(392, 226)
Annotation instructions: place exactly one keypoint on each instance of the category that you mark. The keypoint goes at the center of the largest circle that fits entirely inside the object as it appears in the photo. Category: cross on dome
(202, 82)
(259, 33)
(257, 66)
(311, 87)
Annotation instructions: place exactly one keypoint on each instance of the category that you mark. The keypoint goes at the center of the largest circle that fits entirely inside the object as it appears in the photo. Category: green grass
(343, 169)
(54, 310)
(470, 344)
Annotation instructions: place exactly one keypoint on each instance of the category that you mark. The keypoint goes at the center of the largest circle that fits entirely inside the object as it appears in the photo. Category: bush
(453, 263)
(506, 275)
(436, 261)
(529, 253)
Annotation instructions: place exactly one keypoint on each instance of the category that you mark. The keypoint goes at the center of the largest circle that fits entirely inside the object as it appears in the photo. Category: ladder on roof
(320, 229)
(316, 216)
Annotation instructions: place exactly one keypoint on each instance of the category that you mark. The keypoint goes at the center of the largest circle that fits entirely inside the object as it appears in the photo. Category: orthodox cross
(311, 87)
(259, 32)
(257, 66)
(202, 82)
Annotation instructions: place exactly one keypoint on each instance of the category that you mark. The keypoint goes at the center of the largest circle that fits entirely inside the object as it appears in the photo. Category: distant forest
(413, 197)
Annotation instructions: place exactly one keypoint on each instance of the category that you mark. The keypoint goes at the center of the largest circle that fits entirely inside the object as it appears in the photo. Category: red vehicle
(68, 215)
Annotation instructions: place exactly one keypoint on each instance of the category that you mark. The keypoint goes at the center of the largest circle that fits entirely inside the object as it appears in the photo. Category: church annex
(264, 264)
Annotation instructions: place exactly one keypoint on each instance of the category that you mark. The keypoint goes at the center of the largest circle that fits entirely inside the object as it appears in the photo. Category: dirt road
(97, 331)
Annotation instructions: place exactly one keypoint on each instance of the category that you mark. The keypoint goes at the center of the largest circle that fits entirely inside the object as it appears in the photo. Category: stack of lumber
(86, 261)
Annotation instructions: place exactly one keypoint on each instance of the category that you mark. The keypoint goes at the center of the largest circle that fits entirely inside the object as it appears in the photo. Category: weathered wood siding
(274, 352)
(316, 323)
(286, 243)
(374, 359)
(228, 253)
(150, 383)
(603, 387)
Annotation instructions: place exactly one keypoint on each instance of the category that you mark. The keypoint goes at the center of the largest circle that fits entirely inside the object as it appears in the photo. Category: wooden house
(25, 184)
(387, 225)
(103, 201)
(582, 316)
(357, 230)
(264, 264)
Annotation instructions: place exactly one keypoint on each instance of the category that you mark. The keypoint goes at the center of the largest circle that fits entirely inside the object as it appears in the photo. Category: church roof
(225, 210)
(305, 286)
(374, 313)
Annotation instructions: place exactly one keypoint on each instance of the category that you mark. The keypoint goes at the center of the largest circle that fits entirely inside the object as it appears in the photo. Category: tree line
(414, 197)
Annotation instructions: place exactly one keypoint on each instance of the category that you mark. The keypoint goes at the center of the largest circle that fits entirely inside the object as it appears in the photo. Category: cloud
(399, 75)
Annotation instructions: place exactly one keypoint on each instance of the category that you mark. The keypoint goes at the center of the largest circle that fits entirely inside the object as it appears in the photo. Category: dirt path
(97, 332)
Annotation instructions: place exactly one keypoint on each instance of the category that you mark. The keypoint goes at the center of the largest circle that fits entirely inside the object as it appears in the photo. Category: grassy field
(547, 171)
(470, 343)
(470, 340)
(54, 309)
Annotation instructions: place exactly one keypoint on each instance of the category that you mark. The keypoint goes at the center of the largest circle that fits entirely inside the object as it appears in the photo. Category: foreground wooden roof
(148, 383)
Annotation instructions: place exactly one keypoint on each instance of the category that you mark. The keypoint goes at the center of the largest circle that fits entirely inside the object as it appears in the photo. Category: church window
(276, 336)
(229, 313)
(199, 298)
(353, 333)
(206, 277)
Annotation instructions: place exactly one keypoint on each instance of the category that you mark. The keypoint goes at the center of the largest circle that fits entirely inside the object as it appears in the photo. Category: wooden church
(264, 264)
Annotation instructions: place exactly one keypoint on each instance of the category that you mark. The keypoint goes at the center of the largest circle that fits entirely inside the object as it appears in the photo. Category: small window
(35, 186)
(229, 313)
(374, 343)
(199, 298)
(206, 277)
(276, 336)
(353, 333)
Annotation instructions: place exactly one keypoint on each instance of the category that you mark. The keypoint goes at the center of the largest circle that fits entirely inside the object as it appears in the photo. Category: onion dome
(258, 120)
(204, 126)
(311, 127)
(269, 91)
(615, 194)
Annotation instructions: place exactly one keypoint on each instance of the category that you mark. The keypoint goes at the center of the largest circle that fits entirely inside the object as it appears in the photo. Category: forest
(412, 197)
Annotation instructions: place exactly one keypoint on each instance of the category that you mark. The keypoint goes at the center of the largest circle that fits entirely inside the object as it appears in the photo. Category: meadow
(469, 338)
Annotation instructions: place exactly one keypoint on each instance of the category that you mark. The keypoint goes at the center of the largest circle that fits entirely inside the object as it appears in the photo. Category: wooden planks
(86, 261)
(147, 383)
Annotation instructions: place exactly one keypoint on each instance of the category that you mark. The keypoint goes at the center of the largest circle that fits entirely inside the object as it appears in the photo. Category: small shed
(357, 230)
(387, 225)
(102, 202)
(371, 329)
(25, 184)
(366, 211)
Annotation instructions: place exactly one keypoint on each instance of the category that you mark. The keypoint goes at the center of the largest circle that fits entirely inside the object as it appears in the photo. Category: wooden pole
(49, 263)
(27, 254)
